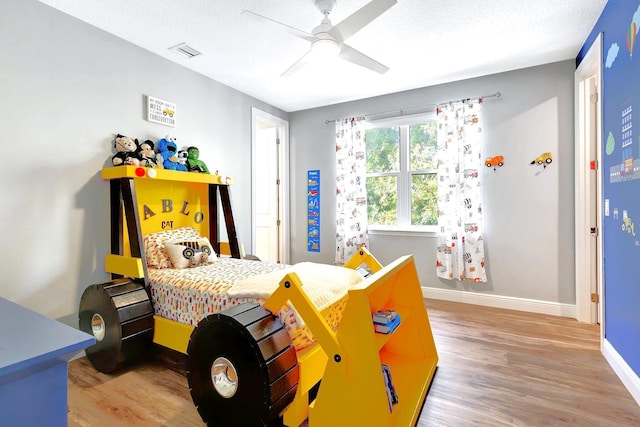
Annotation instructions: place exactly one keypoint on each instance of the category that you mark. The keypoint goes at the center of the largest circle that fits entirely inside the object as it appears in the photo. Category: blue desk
(34, 353)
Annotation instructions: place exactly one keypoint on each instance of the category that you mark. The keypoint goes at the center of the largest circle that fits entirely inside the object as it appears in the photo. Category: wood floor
(497, 368)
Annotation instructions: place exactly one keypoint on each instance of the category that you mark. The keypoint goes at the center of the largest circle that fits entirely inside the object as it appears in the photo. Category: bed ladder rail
(232, 234)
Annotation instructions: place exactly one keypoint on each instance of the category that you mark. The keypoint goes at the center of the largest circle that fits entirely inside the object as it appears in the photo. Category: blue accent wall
(619, 25)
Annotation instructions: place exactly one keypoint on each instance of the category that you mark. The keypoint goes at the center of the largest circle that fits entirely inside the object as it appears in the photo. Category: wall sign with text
(161, 111)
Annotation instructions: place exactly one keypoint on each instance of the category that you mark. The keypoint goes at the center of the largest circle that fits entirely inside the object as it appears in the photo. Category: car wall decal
(543, 159)
(494, 162)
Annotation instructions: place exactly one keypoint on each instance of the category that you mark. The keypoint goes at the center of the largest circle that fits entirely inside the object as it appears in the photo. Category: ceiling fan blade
(360, 18)
(300, 63)
(291, 30)
(350, 54)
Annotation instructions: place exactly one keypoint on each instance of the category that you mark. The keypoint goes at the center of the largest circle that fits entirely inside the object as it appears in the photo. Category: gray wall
(529, 211)
(65, 89)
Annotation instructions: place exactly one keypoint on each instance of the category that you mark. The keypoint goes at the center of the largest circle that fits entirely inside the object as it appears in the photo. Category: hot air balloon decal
(631, 38)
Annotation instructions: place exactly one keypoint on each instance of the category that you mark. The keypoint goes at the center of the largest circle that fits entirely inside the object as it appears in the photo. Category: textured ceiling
(423, 42)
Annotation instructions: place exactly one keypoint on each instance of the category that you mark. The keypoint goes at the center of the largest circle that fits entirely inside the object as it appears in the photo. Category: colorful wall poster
(620, 94)
(313, 211)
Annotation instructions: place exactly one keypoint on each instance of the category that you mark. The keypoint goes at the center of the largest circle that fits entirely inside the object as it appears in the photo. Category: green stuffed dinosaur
(193, 163)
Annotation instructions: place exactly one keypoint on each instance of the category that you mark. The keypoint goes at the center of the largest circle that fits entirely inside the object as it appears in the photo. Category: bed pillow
(190, 253)
(154, 248)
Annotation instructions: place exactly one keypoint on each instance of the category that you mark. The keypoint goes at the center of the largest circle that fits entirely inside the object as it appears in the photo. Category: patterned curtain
(460, 252)
(351, 192)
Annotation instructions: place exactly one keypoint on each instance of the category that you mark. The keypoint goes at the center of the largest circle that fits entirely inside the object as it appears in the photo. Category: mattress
(189, 295)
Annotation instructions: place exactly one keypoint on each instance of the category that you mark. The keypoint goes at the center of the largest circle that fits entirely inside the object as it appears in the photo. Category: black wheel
(120, 316)
(206, 250)
(548, 160)
(188, 253)
(242, 367)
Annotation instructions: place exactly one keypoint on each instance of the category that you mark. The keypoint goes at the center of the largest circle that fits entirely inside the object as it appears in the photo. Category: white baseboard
(630, 380)
(500, 301)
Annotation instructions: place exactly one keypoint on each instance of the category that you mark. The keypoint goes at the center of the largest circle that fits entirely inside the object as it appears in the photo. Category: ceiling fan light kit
(325, 48)
(328, 40)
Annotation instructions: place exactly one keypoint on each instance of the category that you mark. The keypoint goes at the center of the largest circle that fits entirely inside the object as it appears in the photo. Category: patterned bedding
(188, 295)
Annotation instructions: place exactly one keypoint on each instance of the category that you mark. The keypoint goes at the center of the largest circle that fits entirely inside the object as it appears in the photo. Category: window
(402, 190)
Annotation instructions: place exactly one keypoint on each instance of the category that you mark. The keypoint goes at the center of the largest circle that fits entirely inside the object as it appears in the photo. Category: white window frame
(403, 226)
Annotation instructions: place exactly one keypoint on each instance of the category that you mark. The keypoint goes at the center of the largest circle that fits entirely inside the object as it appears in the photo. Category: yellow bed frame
(347, 361)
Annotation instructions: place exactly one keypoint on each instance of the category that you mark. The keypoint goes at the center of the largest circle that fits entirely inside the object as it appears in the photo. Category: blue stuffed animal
(168, 150)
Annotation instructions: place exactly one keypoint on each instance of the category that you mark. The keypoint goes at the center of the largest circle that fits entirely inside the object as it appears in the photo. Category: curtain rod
(403, 111)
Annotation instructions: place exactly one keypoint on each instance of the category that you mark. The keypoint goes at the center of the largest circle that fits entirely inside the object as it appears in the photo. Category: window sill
(400, 231)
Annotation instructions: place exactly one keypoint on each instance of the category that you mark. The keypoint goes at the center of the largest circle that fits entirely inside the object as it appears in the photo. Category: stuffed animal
(126, 159)
(194, 164)
(147, 155)
(118, 159)
(168, 150)
(125, 144)
(182, 158)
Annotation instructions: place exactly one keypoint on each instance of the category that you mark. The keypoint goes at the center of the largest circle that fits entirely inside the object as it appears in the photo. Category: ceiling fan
(328, 40)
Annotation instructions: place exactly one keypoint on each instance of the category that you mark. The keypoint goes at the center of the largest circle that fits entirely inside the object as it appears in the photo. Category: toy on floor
(194, 164)
(168, 150)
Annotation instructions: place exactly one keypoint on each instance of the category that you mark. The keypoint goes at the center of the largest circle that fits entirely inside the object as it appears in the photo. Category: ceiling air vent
(185, 50)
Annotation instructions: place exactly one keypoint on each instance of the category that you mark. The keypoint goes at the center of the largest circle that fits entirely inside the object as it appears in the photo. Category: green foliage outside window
(383, 150)
(382, 199)
(423, 144)
(386, 146)
(424, 199)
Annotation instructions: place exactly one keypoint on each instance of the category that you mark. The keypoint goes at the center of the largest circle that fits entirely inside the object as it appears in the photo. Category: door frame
(282, 125)
(590, 66)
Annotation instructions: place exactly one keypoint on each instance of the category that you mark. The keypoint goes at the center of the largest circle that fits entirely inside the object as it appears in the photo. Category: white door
(270, 194)
(592, 140)
(267, 215)
(589, 210)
